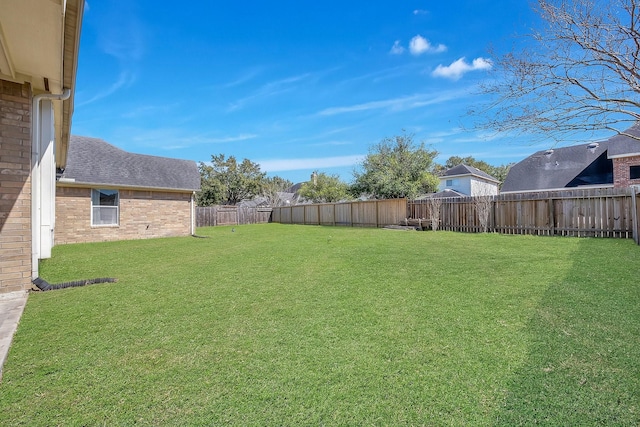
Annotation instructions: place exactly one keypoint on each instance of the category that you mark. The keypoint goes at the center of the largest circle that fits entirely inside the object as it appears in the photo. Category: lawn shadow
(583, 364)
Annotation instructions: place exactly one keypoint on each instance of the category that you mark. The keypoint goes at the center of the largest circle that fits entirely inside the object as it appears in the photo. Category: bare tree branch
(578, 73)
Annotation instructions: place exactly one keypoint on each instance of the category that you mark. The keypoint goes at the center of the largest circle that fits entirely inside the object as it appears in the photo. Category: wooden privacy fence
(372, 213)
(609, 212)
(230, 215)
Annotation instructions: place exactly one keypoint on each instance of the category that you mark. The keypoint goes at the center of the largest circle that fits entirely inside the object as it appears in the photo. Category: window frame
(96, 194)
(634, 172)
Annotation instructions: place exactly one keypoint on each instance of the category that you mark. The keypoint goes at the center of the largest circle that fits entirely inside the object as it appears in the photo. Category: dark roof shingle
(623, 145)
(96, 162)
(584, 164)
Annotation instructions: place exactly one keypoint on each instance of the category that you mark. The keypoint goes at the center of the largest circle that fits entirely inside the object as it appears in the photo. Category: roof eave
(580, 187)
(72, 28)
(76, 184)
(620, 156)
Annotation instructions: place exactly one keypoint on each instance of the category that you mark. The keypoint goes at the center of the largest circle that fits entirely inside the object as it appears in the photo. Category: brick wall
(621, 171)
(143, 215)
(15, 186)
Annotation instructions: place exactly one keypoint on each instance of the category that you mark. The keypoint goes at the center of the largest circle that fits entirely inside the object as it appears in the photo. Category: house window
(634, 172)
(104, 207)
(449, 183)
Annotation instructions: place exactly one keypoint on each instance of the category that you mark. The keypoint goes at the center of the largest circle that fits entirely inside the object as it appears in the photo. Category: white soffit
(6, 65)
(31, 42)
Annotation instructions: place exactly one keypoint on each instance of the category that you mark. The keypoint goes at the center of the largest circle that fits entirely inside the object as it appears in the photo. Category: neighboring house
(614, 162)
(468, 181)
(257, 202)
(105, 193)
(624, 151)
(282, 198)
(39, 42)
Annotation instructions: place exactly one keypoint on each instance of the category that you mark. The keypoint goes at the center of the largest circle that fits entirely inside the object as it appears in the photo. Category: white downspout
(36, 147)
(193, 213)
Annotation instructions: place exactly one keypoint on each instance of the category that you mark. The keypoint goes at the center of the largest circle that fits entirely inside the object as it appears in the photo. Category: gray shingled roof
(566, 167)
(444, 194)
(468, 170)
(623, 145)
(95, 162)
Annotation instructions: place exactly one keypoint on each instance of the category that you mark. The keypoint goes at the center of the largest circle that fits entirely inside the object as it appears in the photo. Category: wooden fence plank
(576, 212)
(373, 213)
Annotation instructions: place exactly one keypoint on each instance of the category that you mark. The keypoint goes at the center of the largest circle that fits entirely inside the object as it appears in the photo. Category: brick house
(624, 151)
(614, 162)
(39, 42)
(105, 193)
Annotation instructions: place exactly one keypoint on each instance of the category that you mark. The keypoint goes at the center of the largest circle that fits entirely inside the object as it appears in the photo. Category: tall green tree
(225, 181)
(272, 189)
(323, 188)
(396, 167)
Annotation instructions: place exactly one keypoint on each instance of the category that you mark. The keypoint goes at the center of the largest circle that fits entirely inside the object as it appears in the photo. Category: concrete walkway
(11, 308)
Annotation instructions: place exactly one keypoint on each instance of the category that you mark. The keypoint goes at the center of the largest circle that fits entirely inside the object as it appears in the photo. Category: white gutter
(36, 153)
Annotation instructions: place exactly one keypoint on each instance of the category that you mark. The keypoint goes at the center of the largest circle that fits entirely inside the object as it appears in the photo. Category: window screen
(104, 207)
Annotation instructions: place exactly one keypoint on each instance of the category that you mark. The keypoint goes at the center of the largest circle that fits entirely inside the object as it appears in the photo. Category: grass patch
(300, 325)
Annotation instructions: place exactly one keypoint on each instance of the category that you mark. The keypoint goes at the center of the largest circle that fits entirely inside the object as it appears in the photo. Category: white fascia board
(580, 187)
(66, 182)
(621, 156)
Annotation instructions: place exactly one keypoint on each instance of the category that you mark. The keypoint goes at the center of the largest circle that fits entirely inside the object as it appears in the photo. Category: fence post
(494, 202)
(552, 217)
(334, 214)
(634, 214)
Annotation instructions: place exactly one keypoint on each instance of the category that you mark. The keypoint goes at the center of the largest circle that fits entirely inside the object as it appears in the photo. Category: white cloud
(270, 89)
(397, 48)
(176, 138)
(395, 104)
(330, 143)
(420, 12)
(244, 78)
(125, 79)
(460, 67)
(280, 165)
(241, 137)
(419, 45)
(123, 40)
(149, 110)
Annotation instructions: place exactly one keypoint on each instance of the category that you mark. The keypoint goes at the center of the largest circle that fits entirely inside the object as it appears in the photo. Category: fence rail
(230, 215)
(609, 212)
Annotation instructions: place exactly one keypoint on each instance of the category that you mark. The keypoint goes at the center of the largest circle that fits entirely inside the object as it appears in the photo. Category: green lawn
(300, 325)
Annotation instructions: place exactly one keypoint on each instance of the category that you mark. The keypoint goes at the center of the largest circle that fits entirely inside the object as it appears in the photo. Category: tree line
(395, 167)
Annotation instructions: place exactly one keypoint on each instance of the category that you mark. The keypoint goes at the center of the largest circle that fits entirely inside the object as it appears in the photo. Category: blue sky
(295, 86)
